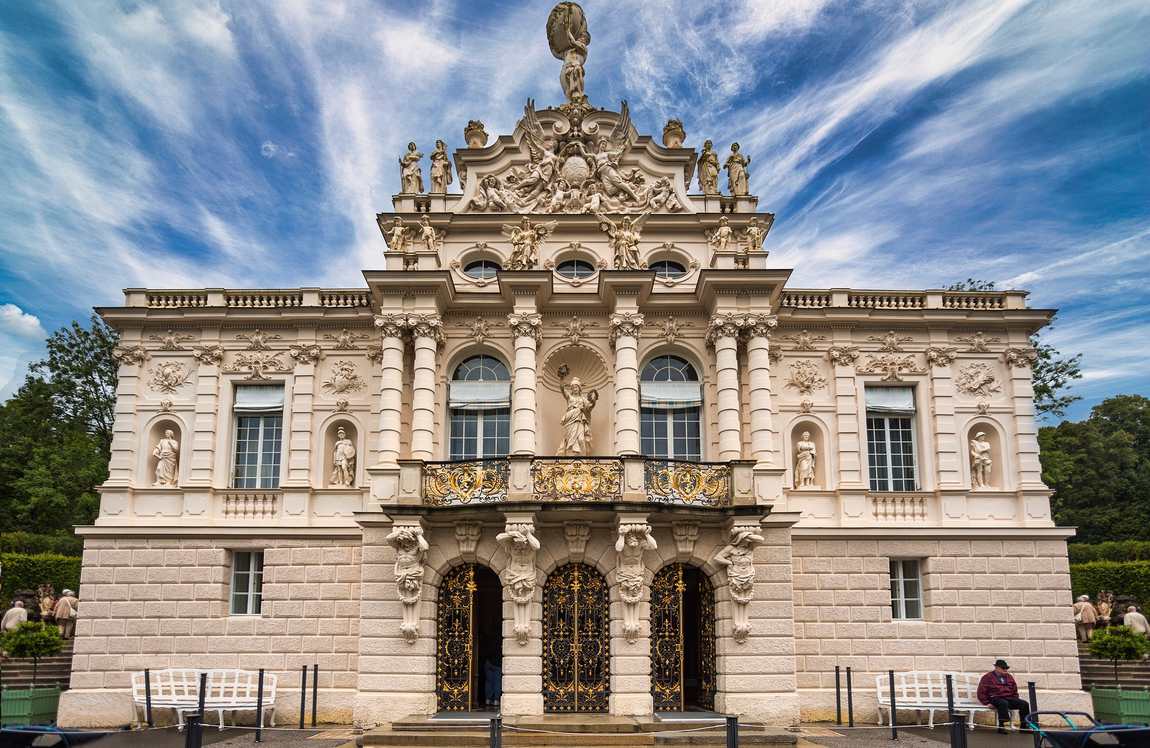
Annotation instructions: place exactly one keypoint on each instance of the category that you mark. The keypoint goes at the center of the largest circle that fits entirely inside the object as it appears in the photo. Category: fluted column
(723, 335)
(625, 328)
(525, 329)
(391, 328)
(426, 334)
(757, 328)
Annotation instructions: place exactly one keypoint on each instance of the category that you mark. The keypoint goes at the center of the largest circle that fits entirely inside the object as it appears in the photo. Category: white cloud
(17, 322)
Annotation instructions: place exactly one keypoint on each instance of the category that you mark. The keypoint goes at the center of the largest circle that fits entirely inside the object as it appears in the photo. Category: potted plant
(1120, 644)
(31, 705)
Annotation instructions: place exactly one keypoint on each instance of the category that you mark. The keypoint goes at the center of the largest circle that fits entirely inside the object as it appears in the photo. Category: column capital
(724, 326)
(526, 325)
(426, 326)
(391, 325)
(626, 324)
(759, 325)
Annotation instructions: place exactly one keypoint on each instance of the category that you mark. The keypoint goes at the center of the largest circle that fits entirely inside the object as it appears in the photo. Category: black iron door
(454, 654)
(682, 650)
(576, 641)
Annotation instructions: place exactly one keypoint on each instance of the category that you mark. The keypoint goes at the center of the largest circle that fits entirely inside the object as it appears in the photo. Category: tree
(1119, 643)
(1052, 372)
(32, 639)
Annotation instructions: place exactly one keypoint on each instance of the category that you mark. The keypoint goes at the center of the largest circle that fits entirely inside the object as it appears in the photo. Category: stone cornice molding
(626, 324)
(526, 325)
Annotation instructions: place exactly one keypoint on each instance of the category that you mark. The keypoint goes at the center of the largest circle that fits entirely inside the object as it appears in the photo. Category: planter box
(29, 706)
(1115, 705)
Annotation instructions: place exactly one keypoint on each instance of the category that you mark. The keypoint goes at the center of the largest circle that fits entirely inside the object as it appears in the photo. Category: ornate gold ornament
(670, 629)
(455, 633)
(578, 480)
(576, 641)
(462, 483)
(688, 483)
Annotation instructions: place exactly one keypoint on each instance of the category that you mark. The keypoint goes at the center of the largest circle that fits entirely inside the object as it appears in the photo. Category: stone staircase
(1099, 672)
(567, 730)
(52, 671)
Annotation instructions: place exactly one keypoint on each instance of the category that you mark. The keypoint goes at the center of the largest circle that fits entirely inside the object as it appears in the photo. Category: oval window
(668, 269)
(482, 269)
(575, 269)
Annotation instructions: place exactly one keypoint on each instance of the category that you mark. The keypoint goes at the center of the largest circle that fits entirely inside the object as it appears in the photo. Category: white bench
(926, 689)
(178, 689)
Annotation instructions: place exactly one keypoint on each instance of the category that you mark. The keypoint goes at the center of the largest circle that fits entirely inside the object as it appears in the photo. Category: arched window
(482, 269)
(668, 269)
(575, 269)
(671, 400)
(480, 406)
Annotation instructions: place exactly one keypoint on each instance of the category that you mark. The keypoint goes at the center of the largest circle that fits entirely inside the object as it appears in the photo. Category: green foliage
(32, 639)
(25, 571)
(1099, 470)
(1119, 643)
(1120, 577)
(1110, 550)
(31, 542)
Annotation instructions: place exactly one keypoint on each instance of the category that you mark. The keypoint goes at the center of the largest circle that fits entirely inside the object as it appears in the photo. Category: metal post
(954, 740)
(314, 692)
(1032, 690)
(194, 735)
(203, 694)
(260, 708)
(850, 701)
(733, 732)
(838, 696)
(499, 731)
(302, 694)
(148, 697)
(893, 707)
(493, 732)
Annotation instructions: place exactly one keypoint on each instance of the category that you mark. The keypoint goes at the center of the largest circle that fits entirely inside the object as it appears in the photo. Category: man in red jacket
(998, 689)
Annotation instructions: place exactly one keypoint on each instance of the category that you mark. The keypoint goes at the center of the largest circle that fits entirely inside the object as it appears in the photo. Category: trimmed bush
(1119, 644)
(32, 640)
(1111, 550)
(27, 571)
(32, 542)
(1120, 577)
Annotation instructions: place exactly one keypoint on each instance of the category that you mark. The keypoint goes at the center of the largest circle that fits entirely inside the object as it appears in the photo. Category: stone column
(391, 328)
(723, 336)
(625, 328)
(525, 329)
(757, 330)
(426, 334)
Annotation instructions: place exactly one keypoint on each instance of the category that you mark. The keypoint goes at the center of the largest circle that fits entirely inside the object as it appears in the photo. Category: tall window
(480, 405)
(259, 436)
(890, 438)
(905, 589)
(247, 582)
(670, 402)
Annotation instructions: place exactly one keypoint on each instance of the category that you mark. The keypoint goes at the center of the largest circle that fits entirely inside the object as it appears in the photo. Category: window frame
(899, 581)
(666, 446)
(489, 266)
(498, 420)
(238, 481)
(888, 467)
(578, 275)
(659, 267)
(253, 595)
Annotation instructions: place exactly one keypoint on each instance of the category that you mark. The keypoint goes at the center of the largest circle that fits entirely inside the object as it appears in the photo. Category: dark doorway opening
(469, 640)
(488, 639)
(682, 640)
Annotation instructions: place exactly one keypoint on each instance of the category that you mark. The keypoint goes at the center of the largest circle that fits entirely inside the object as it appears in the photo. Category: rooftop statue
(410, 173)
(568, 38)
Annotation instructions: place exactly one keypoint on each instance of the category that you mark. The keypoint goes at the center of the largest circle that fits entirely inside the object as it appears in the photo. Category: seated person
(998, 689)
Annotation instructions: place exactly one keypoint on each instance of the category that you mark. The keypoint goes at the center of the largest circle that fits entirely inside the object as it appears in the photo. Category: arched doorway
(682, 640)
(468, 659)
(576, 640)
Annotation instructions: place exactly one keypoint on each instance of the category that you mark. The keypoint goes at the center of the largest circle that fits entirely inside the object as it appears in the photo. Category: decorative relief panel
(168, 376)
(462, 483)
(343, 378)
(891, 367)
(805, 377)
(977, 379)
(687, 483)
(578, 480)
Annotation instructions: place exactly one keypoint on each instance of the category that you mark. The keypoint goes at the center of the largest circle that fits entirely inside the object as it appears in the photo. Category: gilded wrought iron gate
(576, 640)
(669, 648)
(454, 654)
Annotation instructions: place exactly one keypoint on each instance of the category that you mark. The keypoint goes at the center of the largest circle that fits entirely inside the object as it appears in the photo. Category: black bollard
(314, 692)
(838, 696)
(203, 695)
(893, 707)
(958, 731)
(148, 697)
(302, 694)
(850, 700)
(194, 735)
(260, 708)
(1032, 690)
(733, 732)
(493, 732)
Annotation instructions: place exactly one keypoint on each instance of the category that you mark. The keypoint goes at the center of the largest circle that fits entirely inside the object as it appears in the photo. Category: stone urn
(474, 134)
(673, 133)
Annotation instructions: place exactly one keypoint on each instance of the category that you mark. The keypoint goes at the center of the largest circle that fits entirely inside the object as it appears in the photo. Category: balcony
(465, 482)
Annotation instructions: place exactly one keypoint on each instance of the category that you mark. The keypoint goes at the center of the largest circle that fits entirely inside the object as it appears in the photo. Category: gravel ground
(831, 736)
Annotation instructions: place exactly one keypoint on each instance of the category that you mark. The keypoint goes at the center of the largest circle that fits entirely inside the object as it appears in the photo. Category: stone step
(564, 730)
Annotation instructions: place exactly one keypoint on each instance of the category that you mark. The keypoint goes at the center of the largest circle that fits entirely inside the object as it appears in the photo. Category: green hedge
(1120, 577)
(32, 542)
(1111, 550)
(26, 571)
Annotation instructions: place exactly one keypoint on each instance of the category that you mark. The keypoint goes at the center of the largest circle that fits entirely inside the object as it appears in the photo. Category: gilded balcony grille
(465, 482)
(687, 483)
(588, 479)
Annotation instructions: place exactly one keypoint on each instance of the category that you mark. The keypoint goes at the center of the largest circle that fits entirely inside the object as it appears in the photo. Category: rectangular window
(259, 436)
(247, 583)
(890, 438)
(905, 589)
(477, 434)
(671, 434)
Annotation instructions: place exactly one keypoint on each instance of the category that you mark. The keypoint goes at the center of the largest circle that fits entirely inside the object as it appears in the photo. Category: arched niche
(992, 435)
(331, 438)
(576, 361)
(818, 437)
(158, 447)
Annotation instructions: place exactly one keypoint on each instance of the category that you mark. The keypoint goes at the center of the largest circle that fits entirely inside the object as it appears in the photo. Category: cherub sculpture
(625, 237)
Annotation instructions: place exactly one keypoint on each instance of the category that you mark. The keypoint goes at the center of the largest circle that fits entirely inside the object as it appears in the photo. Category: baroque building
(577, 447)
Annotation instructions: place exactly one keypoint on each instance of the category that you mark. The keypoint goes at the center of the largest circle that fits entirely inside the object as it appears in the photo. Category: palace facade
(578, 447)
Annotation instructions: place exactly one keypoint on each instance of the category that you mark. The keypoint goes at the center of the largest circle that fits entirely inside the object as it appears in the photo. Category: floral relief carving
(391, 325)
(805, 377)
(306, 353)
(345, 340)
(977, 379)
(843, 355)
(759, 325)
(258, 365)
(941, 355)
(480, 330)
(804, 341)
(258, 340)
(891, 342)
(977, 343)
(1020, 357)
(170, 341)
(132, 354)
(168, 376)
(425, 326)
(574, 331)
(891, 367)
(670, 331)
(210, 355)
(343, 378)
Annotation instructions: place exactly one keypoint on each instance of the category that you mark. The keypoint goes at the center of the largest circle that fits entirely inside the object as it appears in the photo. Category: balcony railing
(240, 503)
(567, 479)
(687, 483)
(460, 483)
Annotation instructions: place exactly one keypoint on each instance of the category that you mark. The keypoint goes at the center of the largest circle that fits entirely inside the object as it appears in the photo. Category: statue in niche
(343, 460)
(520, 542)
(167, 454)
(980, 461)
(410, 551)
(738, 557)
(633, 540)
(625, 237)
(440, 168)
(568, 37)
(526, 238)
(805, 454)
(708, 166)
(738, 180)
(428, 235)
(576, 420)
(410, 172)
(720, 238)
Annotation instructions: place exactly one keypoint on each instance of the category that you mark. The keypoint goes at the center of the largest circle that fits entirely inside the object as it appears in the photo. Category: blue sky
(903, 144)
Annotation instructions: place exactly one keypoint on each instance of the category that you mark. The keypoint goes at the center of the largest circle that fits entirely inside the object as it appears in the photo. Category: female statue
(167, 452)
(709, 169)
(576, 420)
(805, 462)
(737, 177)
(410, 173)
(440, 168)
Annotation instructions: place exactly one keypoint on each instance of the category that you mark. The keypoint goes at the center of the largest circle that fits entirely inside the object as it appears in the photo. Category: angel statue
(576, 421)
(721, 236)
(544, 161)
(607, 160)
(709, 169)
(440, 168)
(625, 237)
(737, 177)
(410, 173)
(428, 235)
(568, 38)
(396, 235)
(526, 239)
